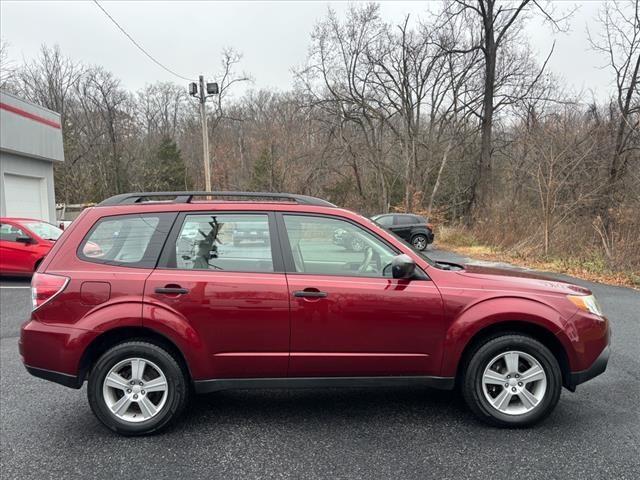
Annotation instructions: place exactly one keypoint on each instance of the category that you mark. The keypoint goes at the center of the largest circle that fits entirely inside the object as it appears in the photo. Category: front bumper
(598, 367)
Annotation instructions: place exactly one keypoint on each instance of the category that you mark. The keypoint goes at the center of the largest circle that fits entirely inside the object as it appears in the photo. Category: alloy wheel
(135, 390)
(514, 383)
(419, 242)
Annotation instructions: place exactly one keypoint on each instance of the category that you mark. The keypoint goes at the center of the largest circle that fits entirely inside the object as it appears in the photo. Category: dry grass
(593, 268)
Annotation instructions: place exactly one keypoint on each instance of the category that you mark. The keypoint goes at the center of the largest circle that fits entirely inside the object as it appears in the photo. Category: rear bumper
(65, 379)
(54, 352)
(598, 367)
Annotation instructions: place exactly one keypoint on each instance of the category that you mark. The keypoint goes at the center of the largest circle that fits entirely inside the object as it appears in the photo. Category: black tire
(479, 359)
(421, 240)
(36, 265)
(177, 394)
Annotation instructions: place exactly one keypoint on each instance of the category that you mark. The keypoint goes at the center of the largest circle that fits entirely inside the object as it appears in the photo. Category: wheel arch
(533, 330)
(420, 231)
(37, 263)
(115, 336)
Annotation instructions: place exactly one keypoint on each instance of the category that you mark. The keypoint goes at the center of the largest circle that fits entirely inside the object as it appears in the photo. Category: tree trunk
(483, 183)
(408, 177)
(445, 156)
(617, 167)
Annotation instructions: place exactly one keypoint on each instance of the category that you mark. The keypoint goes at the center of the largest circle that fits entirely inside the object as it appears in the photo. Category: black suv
(412, 228)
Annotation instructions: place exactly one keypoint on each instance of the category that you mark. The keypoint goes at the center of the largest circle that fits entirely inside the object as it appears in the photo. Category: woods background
(450, 116)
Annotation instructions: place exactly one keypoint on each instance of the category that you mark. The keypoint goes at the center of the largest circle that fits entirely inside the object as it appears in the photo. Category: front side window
(129, 240)
(330, 246)
(225, 242)
(9, 233)
(385, 221)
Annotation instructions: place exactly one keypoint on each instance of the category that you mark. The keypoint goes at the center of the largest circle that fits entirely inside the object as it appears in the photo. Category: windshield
(44, 230)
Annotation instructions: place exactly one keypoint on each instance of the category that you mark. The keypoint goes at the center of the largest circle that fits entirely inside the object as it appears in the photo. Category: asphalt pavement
(48, 431)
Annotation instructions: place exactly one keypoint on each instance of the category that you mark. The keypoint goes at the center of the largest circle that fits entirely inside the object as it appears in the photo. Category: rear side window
(404, 220)
(409, 219)
(223, 242)
(127, 240)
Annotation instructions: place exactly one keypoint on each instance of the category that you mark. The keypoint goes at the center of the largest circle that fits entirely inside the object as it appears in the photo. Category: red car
(23, 244)
(149, 299)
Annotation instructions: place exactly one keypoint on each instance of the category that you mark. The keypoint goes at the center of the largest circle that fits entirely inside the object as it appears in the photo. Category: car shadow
(11, 280)
(323, 405)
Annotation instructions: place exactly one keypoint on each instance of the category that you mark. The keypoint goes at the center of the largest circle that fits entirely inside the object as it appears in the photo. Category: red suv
(148, 297)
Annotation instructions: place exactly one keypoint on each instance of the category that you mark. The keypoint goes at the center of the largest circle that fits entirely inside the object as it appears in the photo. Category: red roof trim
(30, 116)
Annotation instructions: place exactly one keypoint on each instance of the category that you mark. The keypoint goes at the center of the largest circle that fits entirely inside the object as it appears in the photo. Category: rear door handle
(309, 294)
(172, 290)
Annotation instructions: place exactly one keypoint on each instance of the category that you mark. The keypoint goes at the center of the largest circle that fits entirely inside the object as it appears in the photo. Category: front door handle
(172, 290)
(309, 294)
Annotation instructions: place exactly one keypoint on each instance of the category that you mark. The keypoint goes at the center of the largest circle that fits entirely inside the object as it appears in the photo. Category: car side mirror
(402, 266)
(25, 240)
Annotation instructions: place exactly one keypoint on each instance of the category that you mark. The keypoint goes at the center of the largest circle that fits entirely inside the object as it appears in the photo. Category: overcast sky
(272, 36)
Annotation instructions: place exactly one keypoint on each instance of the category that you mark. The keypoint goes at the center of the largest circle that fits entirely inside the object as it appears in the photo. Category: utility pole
(205, 138)
(202, 91)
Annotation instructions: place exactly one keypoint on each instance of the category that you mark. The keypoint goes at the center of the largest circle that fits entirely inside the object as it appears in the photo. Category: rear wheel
(512, 381)
(137, 388)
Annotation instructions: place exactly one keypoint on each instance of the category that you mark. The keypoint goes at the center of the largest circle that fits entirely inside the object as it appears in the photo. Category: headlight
(586, 303)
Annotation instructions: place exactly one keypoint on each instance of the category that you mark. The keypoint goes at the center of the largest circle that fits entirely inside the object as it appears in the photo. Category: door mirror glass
(402, 266)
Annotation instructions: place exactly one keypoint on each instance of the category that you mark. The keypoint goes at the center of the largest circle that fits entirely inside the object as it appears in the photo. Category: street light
(202, 92)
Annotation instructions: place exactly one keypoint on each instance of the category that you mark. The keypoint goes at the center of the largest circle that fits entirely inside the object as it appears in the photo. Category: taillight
(45, 286)
(430, 226)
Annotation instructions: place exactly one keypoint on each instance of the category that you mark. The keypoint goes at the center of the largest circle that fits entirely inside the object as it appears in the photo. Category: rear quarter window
(405, 220)
(127, 240)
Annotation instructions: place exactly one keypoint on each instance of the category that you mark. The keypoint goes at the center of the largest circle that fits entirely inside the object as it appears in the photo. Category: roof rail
(187, 197)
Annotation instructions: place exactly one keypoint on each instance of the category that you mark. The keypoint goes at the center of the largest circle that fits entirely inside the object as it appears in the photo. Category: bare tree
(620, 43)
(7, 68)
(105, 108)
(339, 81)
(500, 24)
(560, 150)
(228, 78)
(50, 79)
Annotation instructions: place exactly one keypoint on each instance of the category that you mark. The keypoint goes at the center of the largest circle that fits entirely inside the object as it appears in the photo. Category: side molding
(214, 385)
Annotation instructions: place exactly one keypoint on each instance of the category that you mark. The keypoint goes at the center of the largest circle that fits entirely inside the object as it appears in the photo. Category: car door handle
(309, 294)
(172, 290)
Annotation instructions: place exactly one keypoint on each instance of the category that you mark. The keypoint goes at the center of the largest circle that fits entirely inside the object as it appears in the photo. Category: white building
(30, 143)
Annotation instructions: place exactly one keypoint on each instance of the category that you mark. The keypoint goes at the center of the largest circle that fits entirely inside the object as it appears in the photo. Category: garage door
(25, 196)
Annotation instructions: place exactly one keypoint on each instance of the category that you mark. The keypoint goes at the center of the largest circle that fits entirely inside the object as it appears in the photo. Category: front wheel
(419, 242)
(512, 381)
(137, 388)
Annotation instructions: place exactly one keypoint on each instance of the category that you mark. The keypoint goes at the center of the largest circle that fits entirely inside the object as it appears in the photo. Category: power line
(140, 46)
